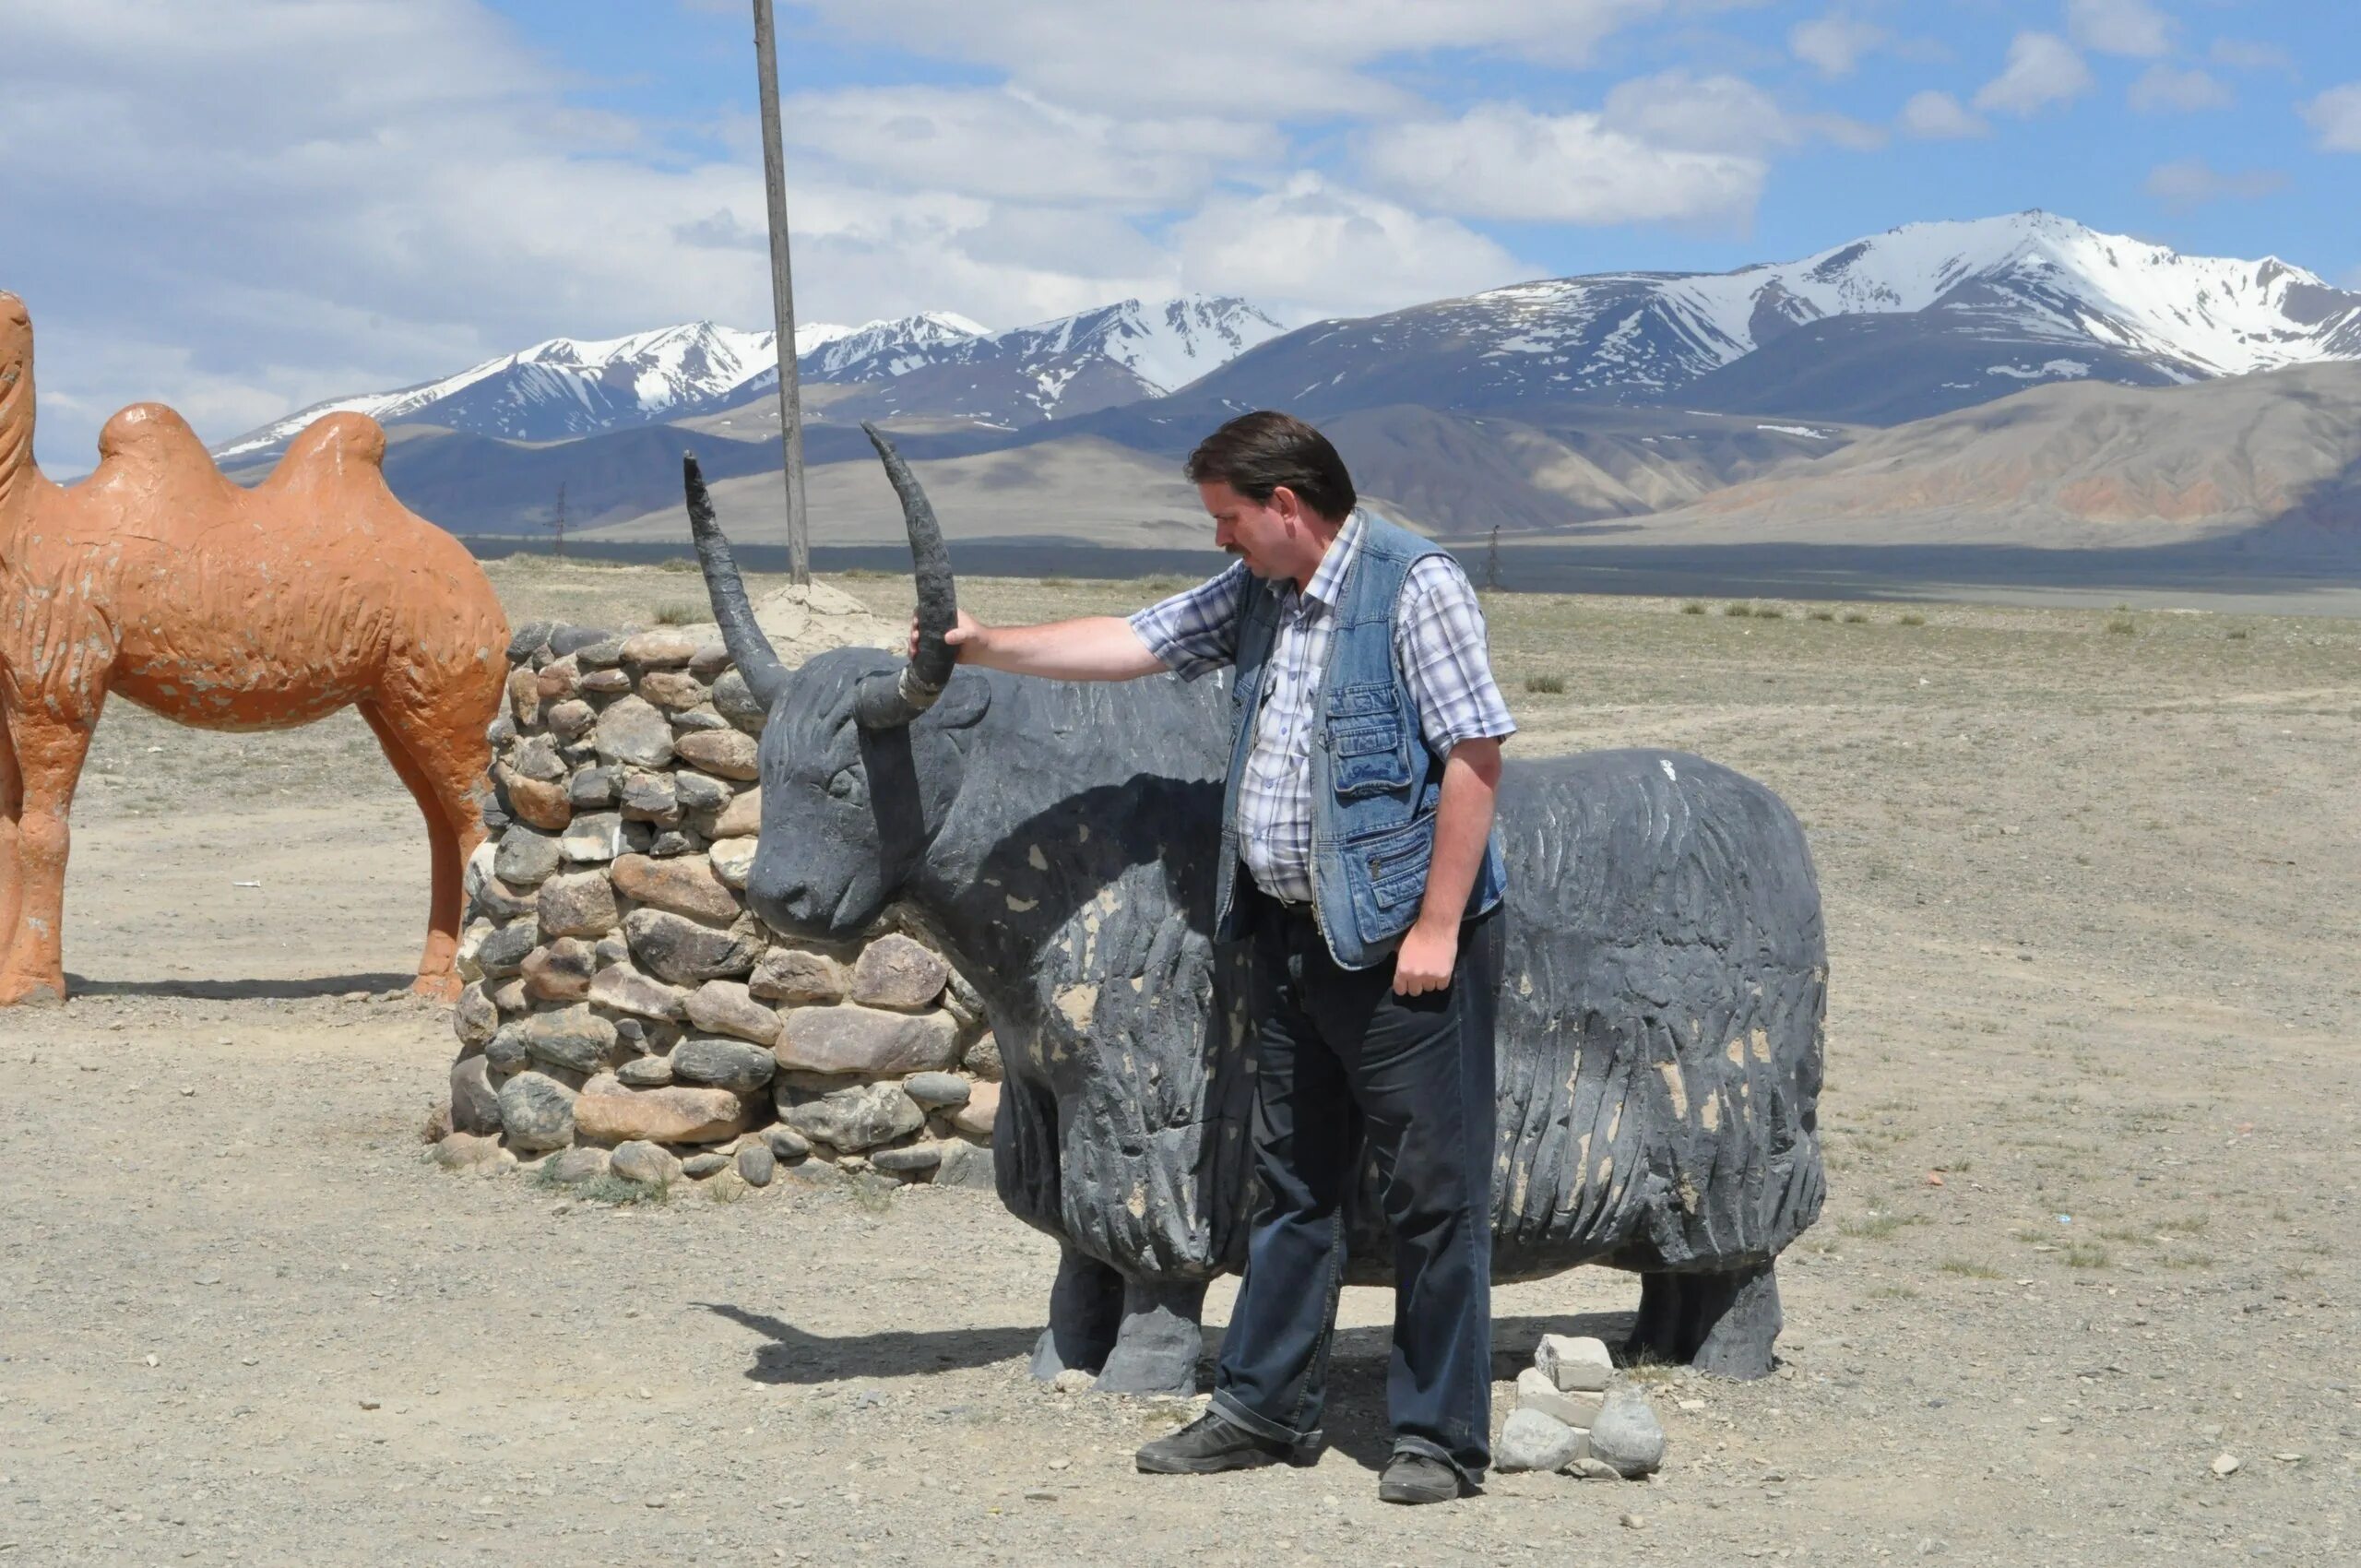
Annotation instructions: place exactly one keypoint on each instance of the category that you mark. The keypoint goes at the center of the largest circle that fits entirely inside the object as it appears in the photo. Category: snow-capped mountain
(1905, 324)
(882, 350)
(1075, 364)
(568, 386)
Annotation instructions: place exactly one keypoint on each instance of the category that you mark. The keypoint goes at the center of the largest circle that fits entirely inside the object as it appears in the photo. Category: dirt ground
(2092, 931)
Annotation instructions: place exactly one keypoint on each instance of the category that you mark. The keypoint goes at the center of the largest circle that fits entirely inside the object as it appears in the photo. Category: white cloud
(1938, 117)
(2121, 27)
(1834, 44)
(2192, 183)
(1008, 144)
(2336, 117)
(1502, 160)
(2162, 89)
(1300, 60)
(1312, 248)
(2245, 55)
(2043, 70)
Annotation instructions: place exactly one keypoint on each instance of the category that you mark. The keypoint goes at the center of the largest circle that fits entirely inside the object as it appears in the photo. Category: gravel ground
(2091, 1118)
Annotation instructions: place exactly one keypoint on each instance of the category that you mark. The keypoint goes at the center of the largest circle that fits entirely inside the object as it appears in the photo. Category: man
(1363, 769)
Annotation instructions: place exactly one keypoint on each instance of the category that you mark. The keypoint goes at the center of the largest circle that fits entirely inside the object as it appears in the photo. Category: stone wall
(624, 1013)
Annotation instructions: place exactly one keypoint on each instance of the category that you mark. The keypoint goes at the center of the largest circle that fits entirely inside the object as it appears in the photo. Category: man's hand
(966, 629)
(1096, 648)
(1426, 959)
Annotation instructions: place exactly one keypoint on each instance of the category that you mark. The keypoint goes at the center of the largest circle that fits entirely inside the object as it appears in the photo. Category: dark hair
(1255, 454)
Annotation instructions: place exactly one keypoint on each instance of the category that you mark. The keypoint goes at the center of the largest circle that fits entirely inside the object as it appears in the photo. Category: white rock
(2225, 1464)
(1626, 1434)
(733, 861)
(1574, 1363)
(1535, 1392)
(1531, 1441)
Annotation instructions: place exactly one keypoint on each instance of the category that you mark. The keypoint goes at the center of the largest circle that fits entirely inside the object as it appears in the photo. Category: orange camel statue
(227, 609)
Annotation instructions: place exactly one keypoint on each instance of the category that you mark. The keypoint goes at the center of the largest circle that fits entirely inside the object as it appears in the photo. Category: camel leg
(12, 805)
(443, 778)
(48, 763)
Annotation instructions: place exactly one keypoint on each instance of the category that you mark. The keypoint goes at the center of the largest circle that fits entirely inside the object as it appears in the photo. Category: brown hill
(2083, 464)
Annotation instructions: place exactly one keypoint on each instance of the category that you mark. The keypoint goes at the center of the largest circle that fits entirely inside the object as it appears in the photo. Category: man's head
(1275, 490)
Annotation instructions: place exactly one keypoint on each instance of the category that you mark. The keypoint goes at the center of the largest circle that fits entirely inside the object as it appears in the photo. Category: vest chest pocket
(1368, 747)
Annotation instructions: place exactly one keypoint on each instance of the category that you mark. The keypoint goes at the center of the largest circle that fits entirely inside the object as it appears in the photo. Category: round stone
(633, 731)
(721, 1063)
(931, 1089)
(757, 1164)
(526, 857)
(537, 1111)
(639, 1160)
(895, 971)
(1627, 1435)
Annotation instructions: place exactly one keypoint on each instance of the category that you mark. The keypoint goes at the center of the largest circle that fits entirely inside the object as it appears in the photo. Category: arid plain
(2091, 1117)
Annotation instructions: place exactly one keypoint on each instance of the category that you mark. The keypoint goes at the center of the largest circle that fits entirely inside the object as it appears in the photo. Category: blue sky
(243, 206)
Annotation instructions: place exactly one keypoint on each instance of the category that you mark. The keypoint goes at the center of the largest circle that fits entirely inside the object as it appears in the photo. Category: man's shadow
(797, 1356)
(240, 990)
(1356, 1418)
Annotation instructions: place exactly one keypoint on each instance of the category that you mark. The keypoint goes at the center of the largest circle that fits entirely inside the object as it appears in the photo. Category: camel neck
(18, 472)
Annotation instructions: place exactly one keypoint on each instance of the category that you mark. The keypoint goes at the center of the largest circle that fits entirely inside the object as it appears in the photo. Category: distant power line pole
(1492, 560)
(557, 522)
(790, 391)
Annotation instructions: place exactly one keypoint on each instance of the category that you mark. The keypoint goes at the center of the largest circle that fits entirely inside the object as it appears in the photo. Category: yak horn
(885, 701)
(757, 664)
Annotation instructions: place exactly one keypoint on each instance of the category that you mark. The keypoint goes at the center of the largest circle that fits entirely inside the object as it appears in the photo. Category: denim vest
(1375, 782)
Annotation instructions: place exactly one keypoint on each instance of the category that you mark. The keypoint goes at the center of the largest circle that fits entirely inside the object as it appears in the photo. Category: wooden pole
(791, 390)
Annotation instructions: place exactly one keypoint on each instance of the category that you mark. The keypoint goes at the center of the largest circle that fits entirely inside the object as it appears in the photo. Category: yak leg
(49, 751)
(1085, 1309)
(1159, 1344)
(1724, 1324)
(442, 770)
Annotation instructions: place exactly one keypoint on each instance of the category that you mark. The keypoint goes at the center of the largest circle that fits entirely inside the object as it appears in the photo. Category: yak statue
(1659, 1016)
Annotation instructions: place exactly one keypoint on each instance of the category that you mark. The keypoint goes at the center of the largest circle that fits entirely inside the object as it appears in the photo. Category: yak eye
(848, 785)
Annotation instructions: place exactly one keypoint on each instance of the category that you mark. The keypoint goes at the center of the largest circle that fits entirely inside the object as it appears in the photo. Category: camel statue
(227, 609)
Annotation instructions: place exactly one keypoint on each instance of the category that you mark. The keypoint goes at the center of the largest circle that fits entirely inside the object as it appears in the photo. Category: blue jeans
(1346, 1071)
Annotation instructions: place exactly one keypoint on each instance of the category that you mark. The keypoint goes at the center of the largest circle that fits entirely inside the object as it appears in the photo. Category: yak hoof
(1724, 1324)
(1086, 1313)
(1159, 1344)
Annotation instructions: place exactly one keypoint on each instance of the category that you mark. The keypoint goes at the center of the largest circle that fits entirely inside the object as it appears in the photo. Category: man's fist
(966, 629)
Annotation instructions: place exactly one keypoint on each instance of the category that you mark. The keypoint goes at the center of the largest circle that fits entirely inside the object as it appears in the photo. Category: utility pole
(790, 391)
(557, 524)
(1492, 562)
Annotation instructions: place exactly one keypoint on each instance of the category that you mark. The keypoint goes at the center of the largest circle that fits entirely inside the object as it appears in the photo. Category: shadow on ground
(240, 990)
(1355, 1423)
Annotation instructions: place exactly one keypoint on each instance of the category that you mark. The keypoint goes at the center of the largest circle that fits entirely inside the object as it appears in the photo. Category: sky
(243, 207)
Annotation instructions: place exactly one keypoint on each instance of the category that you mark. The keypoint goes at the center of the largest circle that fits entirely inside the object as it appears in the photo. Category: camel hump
(149, 431)
(333, 440)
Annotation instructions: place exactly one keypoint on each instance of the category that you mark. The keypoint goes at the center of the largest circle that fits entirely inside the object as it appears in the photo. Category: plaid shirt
(1438, 642)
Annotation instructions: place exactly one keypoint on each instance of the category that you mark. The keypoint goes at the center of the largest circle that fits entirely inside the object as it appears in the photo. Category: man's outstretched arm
(1094, 647)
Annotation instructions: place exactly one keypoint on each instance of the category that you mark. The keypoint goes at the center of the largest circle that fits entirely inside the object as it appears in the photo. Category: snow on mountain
(568, 386)
(1166, 345)
(1073, 365)
(882, 350)
(936, 364)
(1900, 325)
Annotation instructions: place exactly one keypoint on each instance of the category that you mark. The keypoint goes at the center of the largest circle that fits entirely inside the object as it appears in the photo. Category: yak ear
(965, 699)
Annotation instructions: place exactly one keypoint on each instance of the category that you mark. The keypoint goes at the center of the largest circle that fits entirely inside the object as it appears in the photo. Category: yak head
(862, 754)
